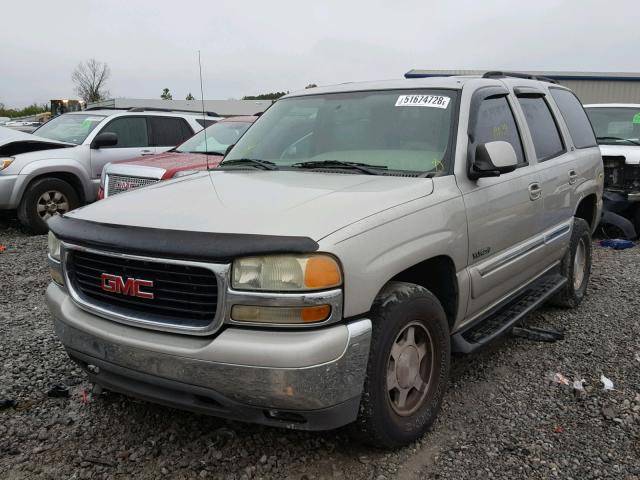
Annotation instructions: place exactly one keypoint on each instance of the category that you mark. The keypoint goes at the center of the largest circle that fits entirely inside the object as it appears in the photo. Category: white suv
(58, 167)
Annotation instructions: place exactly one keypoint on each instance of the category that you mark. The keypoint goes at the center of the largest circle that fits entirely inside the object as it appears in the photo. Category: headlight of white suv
(54, 247)
(5, 162)
(288, 273)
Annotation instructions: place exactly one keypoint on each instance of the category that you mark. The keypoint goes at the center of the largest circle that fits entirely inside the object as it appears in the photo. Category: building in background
(591, 87)
(223, 108)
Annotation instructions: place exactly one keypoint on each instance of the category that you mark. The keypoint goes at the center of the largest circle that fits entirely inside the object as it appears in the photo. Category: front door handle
(146, 152)
(535, 192)
(573, 177)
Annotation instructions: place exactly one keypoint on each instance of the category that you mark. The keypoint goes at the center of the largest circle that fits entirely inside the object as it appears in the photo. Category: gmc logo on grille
(124, 185)
(130, 286)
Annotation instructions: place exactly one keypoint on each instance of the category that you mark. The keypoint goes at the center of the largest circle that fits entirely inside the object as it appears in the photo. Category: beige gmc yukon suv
(349, 241)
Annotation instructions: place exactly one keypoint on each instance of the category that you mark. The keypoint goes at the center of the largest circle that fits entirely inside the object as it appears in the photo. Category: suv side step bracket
(506, 317)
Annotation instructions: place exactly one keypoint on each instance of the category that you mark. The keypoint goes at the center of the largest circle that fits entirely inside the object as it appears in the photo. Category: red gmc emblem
(130, 286)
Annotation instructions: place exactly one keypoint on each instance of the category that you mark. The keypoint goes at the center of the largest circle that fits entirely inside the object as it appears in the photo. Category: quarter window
(543, 128)
(496, 123)
(131, 132)
(575, 118)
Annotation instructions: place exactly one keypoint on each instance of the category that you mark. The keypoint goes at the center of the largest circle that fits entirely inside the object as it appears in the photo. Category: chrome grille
(121, 183)
(184, 296)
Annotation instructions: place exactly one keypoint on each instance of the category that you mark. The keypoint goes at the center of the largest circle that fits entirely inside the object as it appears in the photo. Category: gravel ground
(502, 416)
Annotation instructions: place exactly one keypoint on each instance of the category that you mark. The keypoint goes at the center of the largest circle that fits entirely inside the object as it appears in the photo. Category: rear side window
(496, 123)
(131, 132)
(169, 132)
(575, 118)
(543, 128)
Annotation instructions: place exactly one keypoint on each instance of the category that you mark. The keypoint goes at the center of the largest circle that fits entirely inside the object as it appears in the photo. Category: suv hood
(288, 203)
(14, 142)
(163, 165)
(631, 153)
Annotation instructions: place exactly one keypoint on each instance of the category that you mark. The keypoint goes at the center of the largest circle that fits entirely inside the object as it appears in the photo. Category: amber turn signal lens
(322, 271)
(315, 314)
(280, 315)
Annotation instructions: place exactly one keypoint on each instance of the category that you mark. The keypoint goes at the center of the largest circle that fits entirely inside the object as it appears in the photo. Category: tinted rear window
(169, 132)
(575, 118)
(544, 132)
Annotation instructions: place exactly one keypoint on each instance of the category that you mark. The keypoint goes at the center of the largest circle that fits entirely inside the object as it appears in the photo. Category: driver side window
(496, 122)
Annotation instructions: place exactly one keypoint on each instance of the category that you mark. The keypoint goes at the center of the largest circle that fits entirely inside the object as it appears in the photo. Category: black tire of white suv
(53, 195)
(575, 267)
(408, 366)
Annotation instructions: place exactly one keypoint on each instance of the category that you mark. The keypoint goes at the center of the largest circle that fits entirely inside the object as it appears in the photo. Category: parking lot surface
(503, 416)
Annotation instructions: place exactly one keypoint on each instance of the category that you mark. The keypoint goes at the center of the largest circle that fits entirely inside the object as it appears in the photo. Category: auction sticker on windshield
(435, 101)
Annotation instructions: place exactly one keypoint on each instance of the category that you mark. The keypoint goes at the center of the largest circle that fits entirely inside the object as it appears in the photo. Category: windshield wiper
(263, 164)
(633, 142)
(362, 167)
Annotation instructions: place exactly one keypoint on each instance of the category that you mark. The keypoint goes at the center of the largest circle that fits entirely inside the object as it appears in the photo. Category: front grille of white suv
(120, 183)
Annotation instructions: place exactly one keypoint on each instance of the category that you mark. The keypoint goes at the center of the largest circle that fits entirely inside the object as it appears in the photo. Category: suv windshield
(218, 137)
(406, 130)
(71, 128)
(615, 125)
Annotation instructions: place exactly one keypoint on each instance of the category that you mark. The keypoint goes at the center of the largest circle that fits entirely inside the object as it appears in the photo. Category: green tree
(190, 97)
(265, 96)
(166, 95)
(32, 109)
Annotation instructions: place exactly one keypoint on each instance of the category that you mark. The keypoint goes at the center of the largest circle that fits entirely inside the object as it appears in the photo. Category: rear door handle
(535, 192)
(146, 152)
(573, 177)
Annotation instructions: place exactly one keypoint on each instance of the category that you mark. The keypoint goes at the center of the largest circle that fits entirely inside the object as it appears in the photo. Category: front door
(133, 141)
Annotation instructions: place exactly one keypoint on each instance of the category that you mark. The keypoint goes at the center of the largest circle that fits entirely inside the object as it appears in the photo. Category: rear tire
(43, 199)
(575, 267)
(408, 366)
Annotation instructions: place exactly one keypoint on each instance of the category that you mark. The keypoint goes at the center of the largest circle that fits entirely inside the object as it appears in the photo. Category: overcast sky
(258, 46)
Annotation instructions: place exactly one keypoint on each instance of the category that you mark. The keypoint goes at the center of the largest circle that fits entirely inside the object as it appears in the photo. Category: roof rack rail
(499, 74)
(154, 109)
(103, 108)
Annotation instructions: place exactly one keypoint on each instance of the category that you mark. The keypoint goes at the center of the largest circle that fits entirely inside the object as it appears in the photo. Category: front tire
(576, 266)
(408, 367)
(43, 199)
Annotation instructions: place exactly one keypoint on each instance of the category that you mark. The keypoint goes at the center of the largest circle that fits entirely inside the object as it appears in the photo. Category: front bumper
(308, 379)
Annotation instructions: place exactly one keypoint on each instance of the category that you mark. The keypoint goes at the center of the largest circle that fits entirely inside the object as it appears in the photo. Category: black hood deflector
(174, 244)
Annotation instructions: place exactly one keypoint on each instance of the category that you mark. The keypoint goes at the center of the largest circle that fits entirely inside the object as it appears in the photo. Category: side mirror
(492, 159)
(105, 139)
(226, 152)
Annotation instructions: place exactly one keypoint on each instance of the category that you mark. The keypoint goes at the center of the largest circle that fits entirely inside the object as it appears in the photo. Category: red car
(192, 155)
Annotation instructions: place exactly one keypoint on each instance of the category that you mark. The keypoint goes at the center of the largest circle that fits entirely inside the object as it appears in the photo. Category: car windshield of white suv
(367, 132)
(615, 125)
(70, 128)
(214, 139)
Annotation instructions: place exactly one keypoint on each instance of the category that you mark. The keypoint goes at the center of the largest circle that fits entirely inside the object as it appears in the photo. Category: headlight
(54, 247)
(286, 273)
(5, 162)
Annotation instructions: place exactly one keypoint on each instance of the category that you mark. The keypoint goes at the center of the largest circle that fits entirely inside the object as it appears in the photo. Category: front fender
(377, 248)
(43, 167)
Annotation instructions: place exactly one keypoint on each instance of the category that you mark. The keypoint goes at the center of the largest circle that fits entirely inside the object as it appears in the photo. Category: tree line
(90, 80)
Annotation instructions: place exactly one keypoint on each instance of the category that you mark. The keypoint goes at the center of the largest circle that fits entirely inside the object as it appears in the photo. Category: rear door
(133, 141)
(504, 212)
(167, 132)
(555, 168)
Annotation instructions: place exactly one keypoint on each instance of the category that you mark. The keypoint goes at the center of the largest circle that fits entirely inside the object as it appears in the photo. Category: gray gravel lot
(502, 417)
